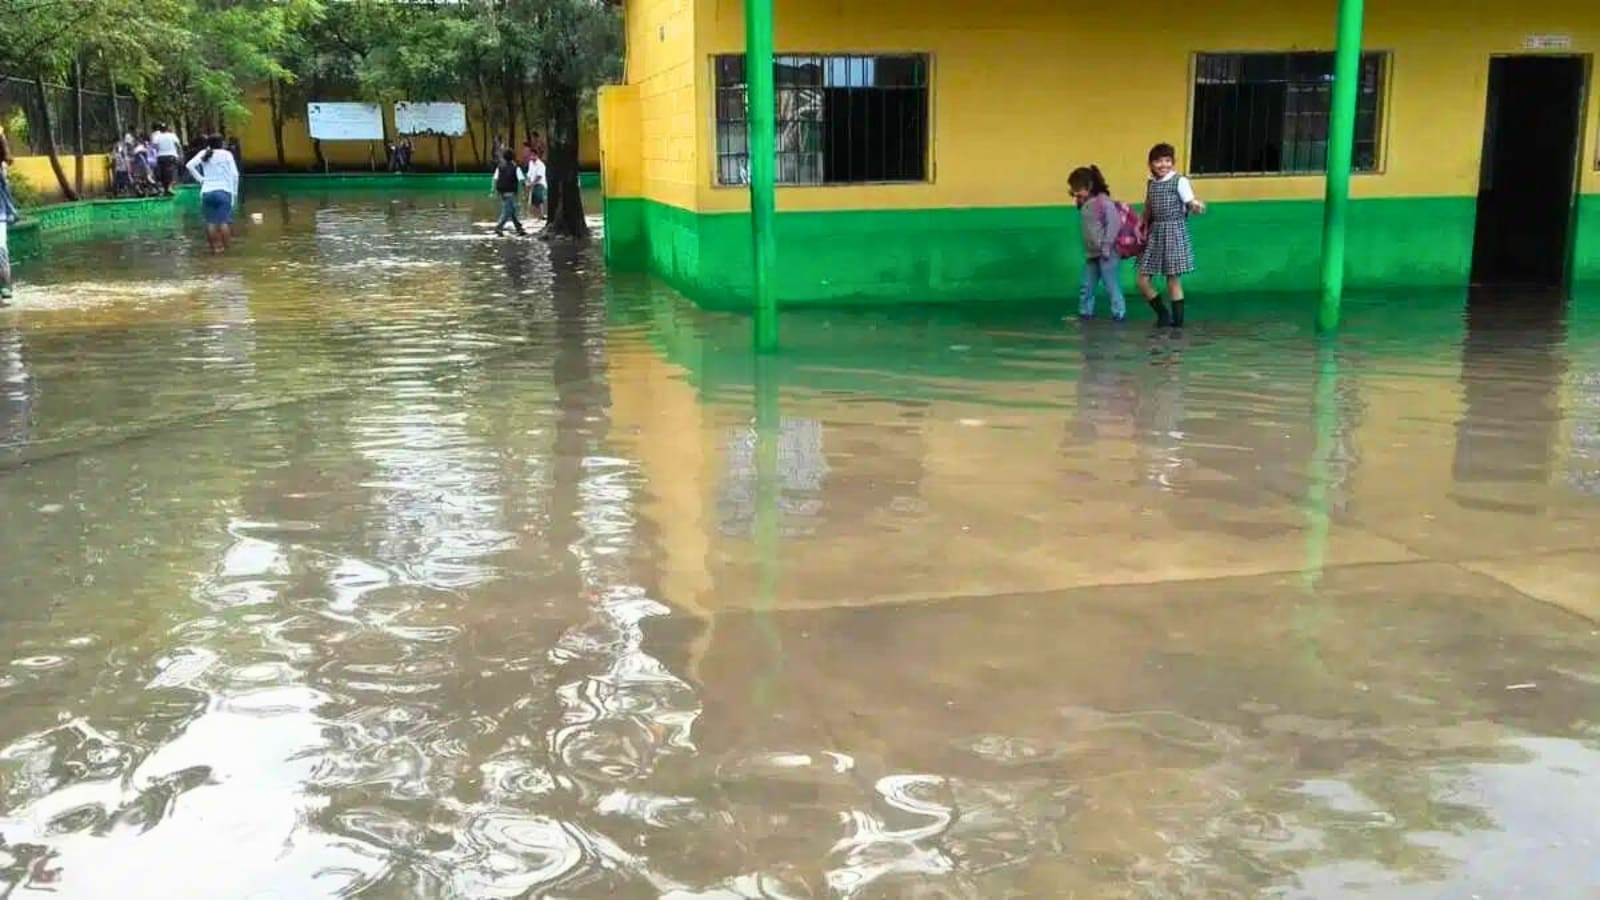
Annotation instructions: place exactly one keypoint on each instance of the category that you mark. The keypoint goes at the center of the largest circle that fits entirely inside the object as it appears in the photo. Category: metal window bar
(1267, 113)
(834, 119)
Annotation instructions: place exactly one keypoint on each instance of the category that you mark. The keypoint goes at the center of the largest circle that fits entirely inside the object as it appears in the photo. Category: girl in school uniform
(1169, 200)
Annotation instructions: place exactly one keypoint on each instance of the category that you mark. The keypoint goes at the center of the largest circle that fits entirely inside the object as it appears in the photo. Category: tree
(575, 45)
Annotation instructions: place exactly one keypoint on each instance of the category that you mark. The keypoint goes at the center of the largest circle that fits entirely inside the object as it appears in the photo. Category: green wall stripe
(1031, 253)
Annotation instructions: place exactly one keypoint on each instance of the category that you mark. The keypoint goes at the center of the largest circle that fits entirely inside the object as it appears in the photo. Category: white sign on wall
(1547, 42)
(447, 119)
(345, 121)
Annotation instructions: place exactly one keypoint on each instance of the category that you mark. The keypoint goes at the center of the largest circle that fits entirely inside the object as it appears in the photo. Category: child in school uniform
(1101, 224)
(1169, 200)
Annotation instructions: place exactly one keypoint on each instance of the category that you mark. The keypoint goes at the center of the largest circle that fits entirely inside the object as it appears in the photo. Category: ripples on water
(385, 558)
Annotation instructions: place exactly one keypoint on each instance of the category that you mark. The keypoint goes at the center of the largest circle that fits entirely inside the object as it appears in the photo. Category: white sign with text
(447, 119)
(345, 121)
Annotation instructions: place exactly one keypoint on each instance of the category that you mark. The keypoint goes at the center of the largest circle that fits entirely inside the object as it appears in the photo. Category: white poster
(447, 119)
(345, 121)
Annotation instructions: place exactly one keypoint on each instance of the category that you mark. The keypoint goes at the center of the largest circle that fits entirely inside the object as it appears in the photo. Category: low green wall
(389, 181)
(42, 223)
(1030, 253)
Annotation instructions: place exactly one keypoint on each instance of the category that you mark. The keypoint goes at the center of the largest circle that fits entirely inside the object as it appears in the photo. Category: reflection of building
(906, 173)
(928, 471)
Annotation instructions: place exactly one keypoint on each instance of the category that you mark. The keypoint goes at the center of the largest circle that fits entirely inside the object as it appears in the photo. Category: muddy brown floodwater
(384, 558)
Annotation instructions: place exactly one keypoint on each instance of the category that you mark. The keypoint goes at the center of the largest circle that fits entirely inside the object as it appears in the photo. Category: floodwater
(385, 558)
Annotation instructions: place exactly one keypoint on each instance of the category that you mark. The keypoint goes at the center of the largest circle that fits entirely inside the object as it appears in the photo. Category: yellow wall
(661, 62)
(37, 171)
(259, 149)
(1025, 90)
(621, 160)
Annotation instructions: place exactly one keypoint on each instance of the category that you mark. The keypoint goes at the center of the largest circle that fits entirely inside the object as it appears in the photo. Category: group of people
(148, 165)
(520, 178)
(1158, 237)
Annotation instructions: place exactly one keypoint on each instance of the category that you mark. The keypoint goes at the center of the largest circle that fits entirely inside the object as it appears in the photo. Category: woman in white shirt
(218, 174)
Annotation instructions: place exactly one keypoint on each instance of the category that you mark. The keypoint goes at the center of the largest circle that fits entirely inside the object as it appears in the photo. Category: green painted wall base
(1033, 253)
(70, 220)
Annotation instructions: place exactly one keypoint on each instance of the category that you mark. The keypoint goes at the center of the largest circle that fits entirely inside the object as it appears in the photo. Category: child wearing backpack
(1102, 226)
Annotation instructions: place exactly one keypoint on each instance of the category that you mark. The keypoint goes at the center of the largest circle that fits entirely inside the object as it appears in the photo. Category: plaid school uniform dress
(1169, 252)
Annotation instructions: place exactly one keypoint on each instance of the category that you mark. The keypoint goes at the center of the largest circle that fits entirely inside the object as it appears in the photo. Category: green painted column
(1341, 146)
(763, 125)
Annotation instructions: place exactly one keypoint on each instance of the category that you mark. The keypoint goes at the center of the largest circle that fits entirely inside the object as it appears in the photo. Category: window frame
(929, 163)
(1380, 131)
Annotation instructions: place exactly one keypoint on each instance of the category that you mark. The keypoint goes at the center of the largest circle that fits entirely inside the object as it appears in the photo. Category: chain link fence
(23, 118)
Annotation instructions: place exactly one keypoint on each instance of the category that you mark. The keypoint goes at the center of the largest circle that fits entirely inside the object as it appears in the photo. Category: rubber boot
(1177, 314)
(1162, 319)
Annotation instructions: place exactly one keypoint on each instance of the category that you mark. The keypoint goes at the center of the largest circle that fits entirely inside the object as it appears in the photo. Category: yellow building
(924, 146)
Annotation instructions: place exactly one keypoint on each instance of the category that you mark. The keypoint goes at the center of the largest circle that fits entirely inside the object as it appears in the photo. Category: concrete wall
(260, 150)
(36, 170)
(1025, 90)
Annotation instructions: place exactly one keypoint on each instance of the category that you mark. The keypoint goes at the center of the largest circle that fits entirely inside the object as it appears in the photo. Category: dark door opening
(1528, 181)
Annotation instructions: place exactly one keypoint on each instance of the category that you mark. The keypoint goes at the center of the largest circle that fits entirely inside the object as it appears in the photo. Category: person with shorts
(538, 186)
(169, 156)
(218, 174)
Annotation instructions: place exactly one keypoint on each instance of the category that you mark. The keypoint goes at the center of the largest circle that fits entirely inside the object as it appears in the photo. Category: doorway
(1528, 183)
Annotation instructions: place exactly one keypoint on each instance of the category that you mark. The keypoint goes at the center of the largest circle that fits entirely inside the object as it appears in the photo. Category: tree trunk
(116, 109)
(316, 145)
(488, 121)
(565, 211)
(50, 139)
(276, 97)
(77, 126)
(509, 87)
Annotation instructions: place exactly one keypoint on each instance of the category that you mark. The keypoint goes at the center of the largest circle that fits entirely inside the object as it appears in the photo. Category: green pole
(1341, 145)
(763, 124)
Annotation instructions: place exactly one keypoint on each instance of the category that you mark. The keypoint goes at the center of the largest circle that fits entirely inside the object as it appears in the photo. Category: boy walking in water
(8, 215)
(538, 189)
(508, 184)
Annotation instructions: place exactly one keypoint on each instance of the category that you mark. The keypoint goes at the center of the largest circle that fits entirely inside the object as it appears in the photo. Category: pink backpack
(1133, 235)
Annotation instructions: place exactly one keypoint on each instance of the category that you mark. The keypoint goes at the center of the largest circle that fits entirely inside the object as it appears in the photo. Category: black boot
(1177, 314)
(1162, 319)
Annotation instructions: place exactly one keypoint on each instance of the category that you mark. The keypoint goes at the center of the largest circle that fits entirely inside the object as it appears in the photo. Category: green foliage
(17, 127)
(24, 192)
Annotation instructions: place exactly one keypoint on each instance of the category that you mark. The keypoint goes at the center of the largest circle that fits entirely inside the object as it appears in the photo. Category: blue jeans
(1096, 271)
(508, 213)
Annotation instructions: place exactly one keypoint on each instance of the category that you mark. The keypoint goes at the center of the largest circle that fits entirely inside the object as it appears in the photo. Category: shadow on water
(387, 558)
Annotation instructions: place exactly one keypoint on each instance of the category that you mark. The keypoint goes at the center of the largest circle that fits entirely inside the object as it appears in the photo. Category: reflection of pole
(769, 489)
(1341, 143)
(1325, 421)
(1325, 426)
(763, 161)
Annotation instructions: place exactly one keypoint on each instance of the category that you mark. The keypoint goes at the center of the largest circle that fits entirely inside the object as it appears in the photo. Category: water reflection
(386, 558)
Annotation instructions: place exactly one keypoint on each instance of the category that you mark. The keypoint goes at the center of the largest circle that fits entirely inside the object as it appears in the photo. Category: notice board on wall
(345, 121)
(444, 119)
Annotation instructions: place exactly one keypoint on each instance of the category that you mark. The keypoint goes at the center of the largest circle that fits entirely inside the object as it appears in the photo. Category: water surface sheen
(385, 558)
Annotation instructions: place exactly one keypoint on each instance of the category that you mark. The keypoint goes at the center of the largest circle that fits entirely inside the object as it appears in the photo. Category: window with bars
(841, 119)
(1267, 113)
